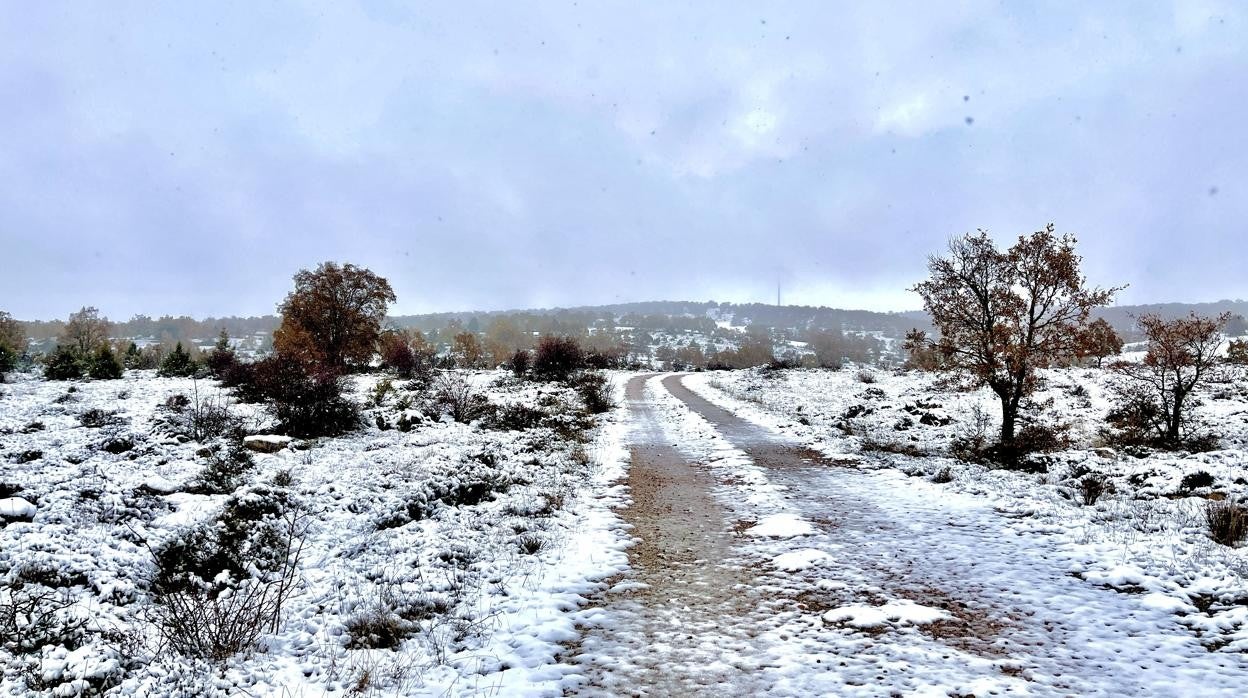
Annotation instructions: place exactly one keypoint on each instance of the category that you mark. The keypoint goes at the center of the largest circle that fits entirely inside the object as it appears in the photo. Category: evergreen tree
(104, 364)
(64, 364)
(222, 357)
(134, 357)
(177, 364)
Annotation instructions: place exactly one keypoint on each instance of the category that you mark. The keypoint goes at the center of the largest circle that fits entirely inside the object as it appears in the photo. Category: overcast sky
(190, 157)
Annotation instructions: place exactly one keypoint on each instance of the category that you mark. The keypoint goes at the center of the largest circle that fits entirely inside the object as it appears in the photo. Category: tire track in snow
(893, 537)
(673, 625)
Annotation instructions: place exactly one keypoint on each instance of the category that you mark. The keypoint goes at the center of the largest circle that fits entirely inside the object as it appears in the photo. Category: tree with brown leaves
(333, 317)
(1004, 314)
(1098, 340)
(921, 352)
(1237, 352)
(467, 350)
(1182, 354)
(85, 332)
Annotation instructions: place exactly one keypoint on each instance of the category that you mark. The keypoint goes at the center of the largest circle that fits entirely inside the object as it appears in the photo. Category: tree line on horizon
(999, 316)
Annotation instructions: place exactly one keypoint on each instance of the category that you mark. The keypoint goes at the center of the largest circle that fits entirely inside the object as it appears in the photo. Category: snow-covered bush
(455, 396)
(222, 585)
(1092, 486)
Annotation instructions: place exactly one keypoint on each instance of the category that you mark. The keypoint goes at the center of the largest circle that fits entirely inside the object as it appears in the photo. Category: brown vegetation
(1004, 314)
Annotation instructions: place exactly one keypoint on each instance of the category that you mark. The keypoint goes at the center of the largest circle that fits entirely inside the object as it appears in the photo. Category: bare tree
(334, 315)
(1182, 354)
(1004, 314)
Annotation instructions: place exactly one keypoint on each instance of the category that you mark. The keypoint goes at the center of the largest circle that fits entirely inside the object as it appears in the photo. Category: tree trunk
(1175, 419)
(1009, 413)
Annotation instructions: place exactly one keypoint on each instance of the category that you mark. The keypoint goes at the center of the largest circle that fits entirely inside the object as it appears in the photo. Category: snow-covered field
(466, 546)
(466, 559)
(1146, 537)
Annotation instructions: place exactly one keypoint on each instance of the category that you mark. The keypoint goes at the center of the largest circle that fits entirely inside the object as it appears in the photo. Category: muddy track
(686, 595)
(898, 573)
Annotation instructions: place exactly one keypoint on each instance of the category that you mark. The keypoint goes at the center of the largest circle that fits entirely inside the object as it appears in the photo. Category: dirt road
(711, 610)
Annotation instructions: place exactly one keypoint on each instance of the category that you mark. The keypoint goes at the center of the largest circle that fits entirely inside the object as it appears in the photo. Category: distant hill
(689, 314)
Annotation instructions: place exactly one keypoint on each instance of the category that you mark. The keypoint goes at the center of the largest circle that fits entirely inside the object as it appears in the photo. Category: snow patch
(17, 508)
(801, 559)
(900, 612)
(782, 526)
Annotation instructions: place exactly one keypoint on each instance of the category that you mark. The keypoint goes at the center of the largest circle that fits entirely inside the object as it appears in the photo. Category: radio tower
(777, 293)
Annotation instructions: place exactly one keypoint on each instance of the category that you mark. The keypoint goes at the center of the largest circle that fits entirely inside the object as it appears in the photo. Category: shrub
(1237, 352)
(223, 584)
(95, 418)
(305, 403)
(381, 391)
(595, 391)
(33, 617)
(397, 354)
(557, 358)
(1227, 520)
(221, 358)
(1092, 486)
(104, 364)
(314, 406)
(377, 627)
(615, 357)
(1196, 480)
(454, 396)
(63, 364)
(210, 418)
(516, 417)
(519, 362)
(224, 471)
(12, 343)
(8, 361)
(531, 544)
(1032, 439)
(865, 376)
(178, 363)
(943, 476)
(243, 376)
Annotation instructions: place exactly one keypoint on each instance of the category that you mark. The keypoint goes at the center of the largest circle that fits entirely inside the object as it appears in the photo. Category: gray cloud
(189, 159)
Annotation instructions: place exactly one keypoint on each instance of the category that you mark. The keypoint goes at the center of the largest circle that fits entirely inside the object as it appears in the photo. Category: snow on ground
(1146, 538)
(476, 542)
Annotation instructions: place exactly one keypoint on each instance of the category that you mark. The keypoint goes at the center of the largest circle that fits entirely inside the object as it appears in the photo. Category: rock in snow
(267, 443)
(17, 509)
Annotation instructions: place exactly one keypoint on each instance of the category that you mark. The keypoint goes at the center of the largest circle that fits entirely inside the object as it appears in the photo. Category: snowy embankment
(445, 559)
(1146, 536)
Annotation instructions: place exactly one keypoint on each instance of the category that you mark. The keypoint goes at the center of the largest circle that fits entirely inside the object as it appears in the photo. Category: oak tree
(1003, 314)
(1098, 340)
(1182, 354)
(333, 317)
(85, 332)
